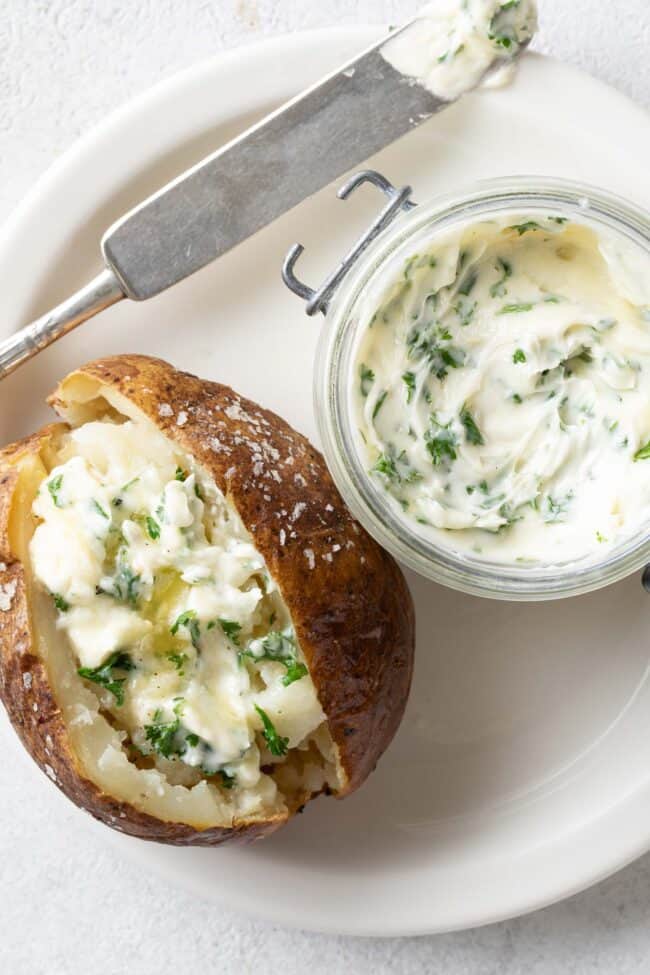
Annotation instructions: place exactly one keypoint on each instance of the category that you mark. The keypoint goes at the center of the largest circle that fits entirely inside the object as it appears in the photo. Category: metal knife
(353, 113)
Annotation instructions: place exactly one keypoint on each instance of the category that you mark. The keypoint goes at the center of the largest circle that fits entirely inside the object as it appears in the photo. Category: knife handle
(102, 291)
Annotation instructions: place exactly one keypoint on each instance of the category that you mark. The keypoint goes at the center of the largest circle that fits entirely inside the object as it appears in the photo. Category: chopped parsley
(367, 378)
(231, 630)
(468, 283)
(440, 442)
(178, 660)
(181, 475)
(153, 528)
(61, 604)
(96, 506)
(105, 676)
(519, 355)
(472, 432)
(409, 381)
(498, 289)
(279, 647)
(643, 453)
(432, 343)
(524, 228)
(277, 745)
(386, 465)
(164, 736)
(379, 403)
(124, 586)
(516, 308)
(54, 487)
(557, 507)
(295, 671)
(189, 621)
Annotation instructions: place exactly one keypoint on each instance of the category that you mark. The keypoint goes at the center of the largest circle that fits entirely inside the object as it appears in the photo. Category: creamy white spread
(453, 43)
(169, 608)
(502, 389)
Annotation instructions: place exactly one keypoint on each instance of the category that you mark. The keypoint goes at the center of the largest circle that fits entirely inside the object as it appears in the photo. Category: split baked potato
(196, 637)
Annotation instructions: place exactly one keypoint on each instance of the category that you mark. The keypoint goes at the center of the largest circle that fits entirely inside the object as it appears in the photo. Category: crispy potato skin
(349, 602)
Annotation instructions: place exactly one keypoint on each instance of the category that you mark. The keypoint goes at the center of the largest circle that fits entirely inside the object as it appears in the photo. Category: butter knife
(247, 183)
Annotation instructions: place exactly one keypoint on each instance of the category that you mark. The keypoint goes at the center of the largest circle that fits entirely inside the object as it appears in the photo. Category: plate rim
(629, 839)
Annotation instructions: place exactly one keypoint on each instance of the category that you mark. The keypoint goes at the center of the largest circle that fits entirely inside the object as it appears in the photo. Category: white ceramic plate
(522, 770)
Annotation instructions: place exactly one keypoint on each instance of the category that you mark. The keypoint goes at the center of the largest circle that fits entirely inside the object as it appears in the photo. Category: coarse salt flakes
(299, 507)
(181, 419)
(7, 593)
(311, 558)
(165, 410)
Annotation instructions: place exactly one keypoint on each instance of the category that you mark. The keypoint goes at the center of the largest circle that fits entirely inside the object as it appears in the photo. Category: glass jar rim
(579, 201)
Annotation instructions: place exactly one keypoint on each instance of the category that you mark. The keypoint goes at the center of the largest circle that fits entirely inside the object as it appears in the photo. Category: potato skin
(349, 602)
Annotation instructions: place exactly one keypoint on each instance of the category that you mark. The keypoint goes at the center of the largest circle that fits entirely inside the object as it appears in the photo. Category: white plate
(522, 769)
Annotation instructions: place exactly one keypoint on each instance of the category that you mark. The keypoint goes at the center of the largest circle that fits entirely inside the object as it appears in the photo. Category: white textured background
(66, 906)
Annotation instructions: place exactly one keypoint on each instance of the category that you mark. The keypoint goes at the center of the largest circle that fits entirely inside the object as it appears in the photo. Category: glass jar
(401, 231)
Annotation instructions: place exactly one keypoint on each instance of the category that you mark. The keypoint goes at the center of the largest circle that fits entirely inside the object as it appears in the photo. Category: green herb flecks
(276, 744)
(54, 487)
(61, 604)
(498, 289)
(519, 356)
(643, 453)
(441, 443)
(295, 671)
(279, 647)
(465, 309)
(124, 586)
(467, 284)
(379, 403)
(472, 432)
(516, 308)
(555, 508)
(432, 343)
(367, 378)
(153, 528)
(164, 736)
(105, 675)
(178, 660)
(409, 381)
(188, 621)
(524, 228)
(231, 629)
(96, 506)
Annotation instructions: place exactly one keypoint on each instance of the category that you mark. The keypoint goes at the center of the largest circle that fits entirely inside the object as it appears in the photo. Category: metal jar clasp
(399, 200)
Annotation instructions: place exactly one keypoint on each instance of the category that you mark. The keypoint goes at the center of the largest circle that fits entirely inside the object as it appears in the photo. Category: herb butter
(502, 390)
(453, 43)
(169, 611)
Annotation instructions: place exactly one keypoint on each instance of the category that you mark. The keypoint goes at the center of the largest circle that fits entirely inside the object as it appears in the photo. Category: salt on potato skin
(353, 615)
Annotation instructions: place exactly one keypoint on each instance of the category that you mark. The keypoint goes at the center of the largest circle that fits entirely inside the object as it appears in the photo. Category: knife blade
(328, 129)
(297, 150)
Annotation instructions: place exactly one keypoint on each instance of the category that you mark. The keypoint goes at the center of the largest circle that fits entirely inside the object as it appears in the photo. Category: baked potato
(196, 637)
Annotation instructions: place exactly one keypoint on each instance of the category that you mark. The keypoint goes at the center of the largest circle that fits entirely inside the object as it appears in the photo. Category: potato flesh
(174, 789)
